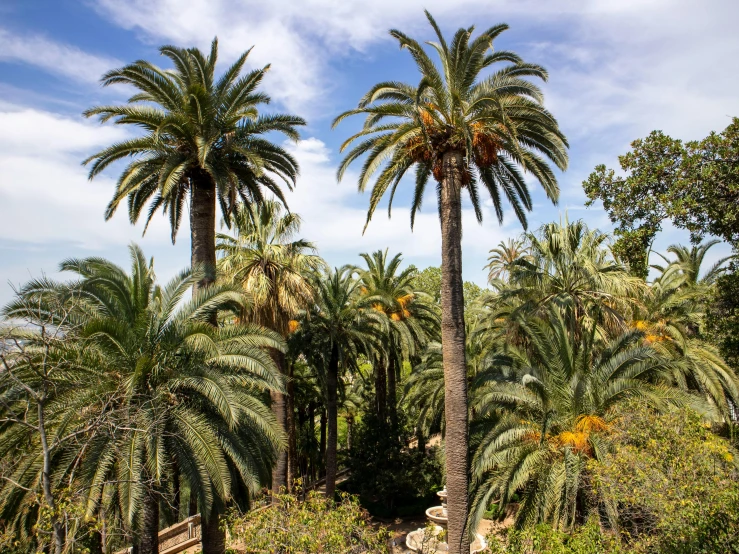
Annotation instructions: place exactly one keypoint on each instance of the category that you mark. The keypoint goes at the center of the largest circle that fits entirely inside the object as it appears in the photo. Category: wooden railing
(177, 537)
(187, 533)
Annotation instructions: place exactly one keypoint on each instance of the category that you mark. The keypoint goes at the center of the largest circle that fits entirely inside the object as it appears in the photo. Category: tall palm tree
(273, 266)
(203, 137)
(463, 129)
(412, 318)
(340, 327)
(550, 407)
(182, 395)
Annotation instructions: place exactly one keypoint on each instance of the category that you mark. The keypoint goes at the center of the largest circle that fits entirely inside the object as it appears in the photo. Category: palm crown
(202, 136)
(270, 263)
(498, 122)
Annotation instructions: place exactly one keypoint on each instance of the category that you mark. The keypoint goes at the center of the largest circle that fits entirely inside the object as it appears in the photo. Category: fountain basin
(437, 515)
(415, 542)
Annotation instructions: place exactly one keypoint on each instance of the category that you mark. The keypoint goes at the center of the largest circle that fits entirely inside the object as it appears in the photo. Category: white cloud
(55, 57)
(617, 63)
(44, 191)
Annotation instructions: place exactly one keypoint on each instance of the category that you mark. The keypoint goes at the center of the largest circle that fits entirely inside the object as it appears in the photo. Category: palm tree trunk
(279, 408)
(381, 390)
(203, 226)
(292, 441)
(391, 396)
(453, 352)
(149, 543)
(312, 440)
(212, 536)
(349, 432)
(322, 444)
(332, 384)
(420, 439)
(176, 494)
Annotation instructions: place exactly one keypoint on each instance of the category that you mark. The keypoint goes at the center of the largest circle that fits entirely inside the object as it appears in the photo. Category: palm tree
(340, 327)
(412, 319)
(672, 318)
(204, 137)
(691, 259)
(424, 391)
(503, 257)
(570, 265)
(273, 267)
(185, 398)
(550, 408)
(462, 129)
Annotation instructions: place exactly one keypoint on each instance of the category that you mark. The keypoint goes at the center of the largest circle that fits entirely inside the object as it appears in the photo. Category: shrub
(673, 484)
(314, 526)
(544, 539)
(391, 479)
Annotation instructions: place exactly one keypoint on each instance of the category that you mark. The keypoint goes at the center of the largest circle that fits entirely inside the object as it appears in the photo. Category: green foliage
(477, 101)
(429, 281)
(632, 248)
(722, 321)
(695, 185)
(548, 409)
(672, 482)
(170, 390)
(544, 539)
(317, 525)
(391, 479)
(198, 129)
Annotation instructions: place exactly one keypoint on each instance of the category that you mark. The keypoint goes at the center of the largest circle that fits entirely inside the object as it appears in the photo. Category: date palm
(273, 266)
(570, 265)
(412, 319)
(550, 408)
(466, 130)
(184, 397)
(203, 138)
(340, 327)
(503, 257)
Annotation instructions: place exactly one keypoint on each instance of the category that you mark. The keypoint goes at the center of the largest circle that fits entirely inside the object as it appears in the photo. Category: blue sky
(618, 69)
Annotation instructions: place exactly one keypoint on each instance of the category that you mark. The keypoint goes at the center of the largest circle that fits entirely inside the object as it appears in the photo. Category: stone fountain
(438, 516)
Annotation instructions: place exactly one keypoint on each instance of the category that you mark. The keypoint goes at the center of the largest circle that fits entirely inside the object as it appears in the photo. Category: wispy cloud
(52, 56)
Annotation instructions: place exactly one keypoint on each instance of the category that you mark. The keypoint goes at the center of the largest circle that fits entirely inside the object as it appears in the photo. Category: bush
(673, 484)
(543, 539)
(316, 525)
(390, 479)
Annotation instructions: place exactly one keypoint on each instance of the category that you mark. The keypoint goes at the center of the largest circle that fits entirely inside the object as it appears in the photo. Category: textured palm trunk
(203, 226)
(453, 351)
(349, 431)
(381, 391)
(420, 439)
(212, 536)
(149, 543)
(292, 439)
(279, 409)
(322, 444)
(392, 408)
(332, 383)
(312, 438)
